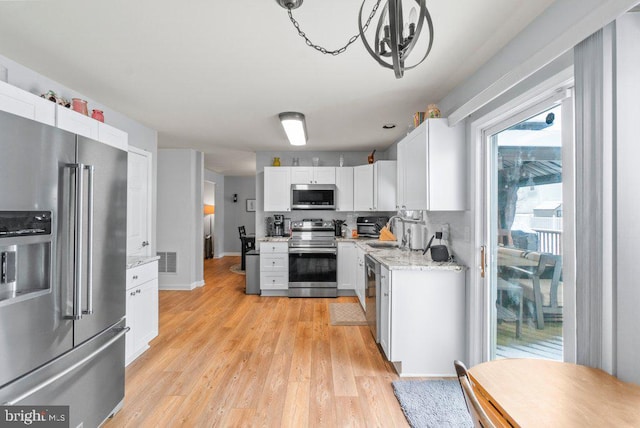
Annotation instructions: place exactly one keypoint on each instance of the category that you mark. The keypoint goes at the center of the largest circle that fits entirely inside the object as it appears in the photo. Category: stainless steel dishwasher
(372, 303)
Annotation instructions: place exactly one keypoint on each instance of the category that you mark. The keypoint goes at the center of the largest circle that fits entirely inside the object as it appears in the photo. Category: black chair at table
(248, 243)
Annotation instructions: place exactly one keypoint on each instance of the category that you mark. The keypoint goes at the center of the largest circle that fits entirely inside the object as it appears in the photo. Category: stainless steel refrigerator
(63, 208)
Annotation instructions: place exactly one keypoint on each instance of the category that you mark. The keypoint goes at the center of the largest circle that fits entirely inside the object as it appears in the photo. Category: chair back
(242, 231)
(480, 418)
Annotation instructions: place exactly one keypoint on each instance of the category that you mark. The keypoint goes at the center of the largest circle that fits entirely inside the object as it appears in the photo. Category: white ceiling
(213, 75)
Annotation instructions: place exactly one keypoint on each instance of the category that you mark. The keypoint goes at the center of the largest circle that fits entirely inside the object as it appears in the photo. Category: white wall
(139, 135)
(628, 203)
(558, 29)
(236, 213)
(180, 219)
(218, 227)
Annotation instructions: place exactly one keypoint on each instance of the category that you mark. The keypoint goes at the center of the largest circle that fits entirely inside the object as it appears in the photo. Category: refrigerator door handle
(89, 310)
(120, 331)
(78, 169)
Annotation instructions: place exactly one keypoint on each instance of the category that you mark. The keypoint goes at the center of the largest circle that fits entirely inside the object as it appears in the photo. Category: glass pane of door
(525, 217)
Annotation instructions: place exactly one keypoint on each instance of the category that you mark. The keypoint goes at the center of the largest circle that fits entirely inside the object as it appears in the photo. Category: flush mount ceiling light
(395, 38)
(294, 126)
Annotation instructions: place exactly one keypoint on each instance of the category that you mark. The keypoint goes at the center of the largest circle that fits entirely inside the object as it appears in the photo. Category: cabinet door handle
(133, 293)
(138, 291)
(483, 250)
(135, 276)
(386, 294)
(145, 243)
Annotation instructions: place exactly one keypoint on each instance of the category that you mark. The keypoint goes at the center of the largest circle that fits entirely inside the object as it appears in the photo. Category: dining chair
(242, 231)
(480, 418)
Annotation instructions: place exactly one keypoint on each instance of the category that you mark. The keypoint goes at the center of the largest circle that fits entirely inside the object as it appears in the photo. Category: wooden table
(542, 393)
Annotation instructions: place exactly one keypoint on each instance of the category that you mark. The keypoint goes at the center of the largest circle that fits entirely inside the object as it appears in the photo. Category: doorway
(209, 201)
(526, 203)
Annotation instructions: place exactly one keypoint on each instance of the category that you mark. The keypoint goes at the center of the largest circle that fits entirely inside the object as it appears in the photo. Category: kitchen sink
(383, 244)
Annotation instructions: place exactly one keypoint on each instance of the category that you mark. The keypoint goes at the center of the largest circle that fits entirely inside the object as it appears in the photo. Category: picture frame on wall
(251, 205)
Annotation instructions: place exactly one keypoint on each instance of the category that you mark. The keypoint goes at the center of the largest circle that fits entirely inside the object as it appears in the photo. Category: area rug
(346, 314)
(236, 269)
(432, 403)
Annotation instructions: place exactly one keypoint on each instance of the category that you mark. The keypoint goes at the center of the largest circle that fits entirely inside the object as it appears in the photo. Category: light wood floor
(223, 358)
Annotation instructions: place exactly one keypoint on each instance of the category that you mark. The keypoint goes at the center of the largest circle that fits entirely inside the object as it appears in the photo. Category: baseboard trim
(181, 287)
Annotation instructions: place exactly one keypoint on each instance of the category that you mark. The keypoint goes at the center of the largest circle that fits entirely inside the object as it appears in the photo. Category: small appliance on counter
(370, 226)
(278, 225)
(439, 253)
(338, 226)
(287, 227)
(418, 236)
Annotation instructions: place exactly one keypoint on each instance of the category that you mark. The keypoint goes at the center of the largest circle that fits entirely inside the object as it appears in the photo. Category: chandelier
(395, 38)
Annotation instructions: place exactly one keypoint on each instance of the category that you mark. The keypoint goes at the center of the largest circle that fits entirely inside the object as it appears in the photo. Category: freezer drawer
(93, 389)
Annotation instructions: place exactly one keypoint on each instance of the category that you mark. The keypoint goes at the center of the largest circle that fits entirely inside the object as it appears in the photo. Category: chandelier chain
(337, 51)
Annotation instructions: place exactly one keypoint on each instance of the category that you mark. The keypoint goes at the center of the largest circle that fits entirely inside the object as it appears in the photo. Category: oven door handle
(313, 250)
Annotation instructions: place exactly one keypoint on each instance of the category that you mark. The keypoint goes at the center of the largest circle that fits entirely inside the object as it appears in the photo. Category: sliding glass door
(525, 207)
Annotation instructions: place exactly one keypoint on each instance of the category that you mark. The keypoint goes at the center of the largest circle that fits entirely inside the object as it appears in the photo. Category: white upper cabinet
(277, 188)
(374, 186)
(431, 172)
(363, 188)
(344, 184)
(113, 136)
(25, 104)
(313, 175)
(72, 121)
(384, 185)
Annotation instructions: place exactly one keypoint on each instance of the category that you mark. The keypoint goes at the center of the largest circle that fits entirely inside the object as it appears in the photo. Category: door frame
(479, 326)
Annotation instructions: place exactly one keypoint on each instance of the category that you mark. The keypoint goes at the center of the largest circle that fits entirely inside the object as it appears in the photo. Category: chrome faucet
(403, 240)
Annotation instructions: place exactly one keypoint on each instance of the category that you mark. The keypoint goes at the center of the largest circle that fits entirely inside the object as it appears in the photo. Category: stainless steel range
(313, 259)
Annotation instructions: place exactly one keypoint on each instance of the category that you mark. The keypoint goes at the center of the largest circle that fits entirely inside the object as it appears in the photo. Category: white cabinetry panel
(347, 265)
(72, 121)
(432, 168)
(344, 184)
(277, 189)
(25, 104)
(141, 309)
(426, 313)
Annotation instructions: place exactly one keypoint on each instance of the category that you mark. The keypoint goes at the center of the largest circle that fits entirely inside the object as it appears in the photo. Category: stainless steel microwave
(313, 196)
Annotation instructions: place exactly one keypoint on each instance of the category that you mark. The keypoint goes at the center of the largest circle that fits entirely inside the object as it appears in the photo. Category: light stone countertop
(273, 239)
(133, 261)
(392, 258)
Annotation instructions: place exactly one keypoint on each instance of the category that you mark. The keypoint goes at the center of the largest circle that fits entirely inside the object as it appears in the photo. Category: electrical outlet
(445, 231)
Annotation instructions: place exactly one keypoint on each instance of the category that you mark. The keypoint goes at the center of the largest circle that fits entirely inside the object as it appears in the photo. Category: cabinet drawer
(274, 262)
(274, 280)
(274, 247)
(140, 274)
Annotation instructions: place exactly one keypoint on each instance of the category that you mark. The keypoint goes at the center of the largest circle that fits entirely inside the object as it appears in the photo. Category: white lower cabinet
(347, 259)
(361, 280)
(141, 309)
(385, 309)
(422, 316)
(274, 267)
